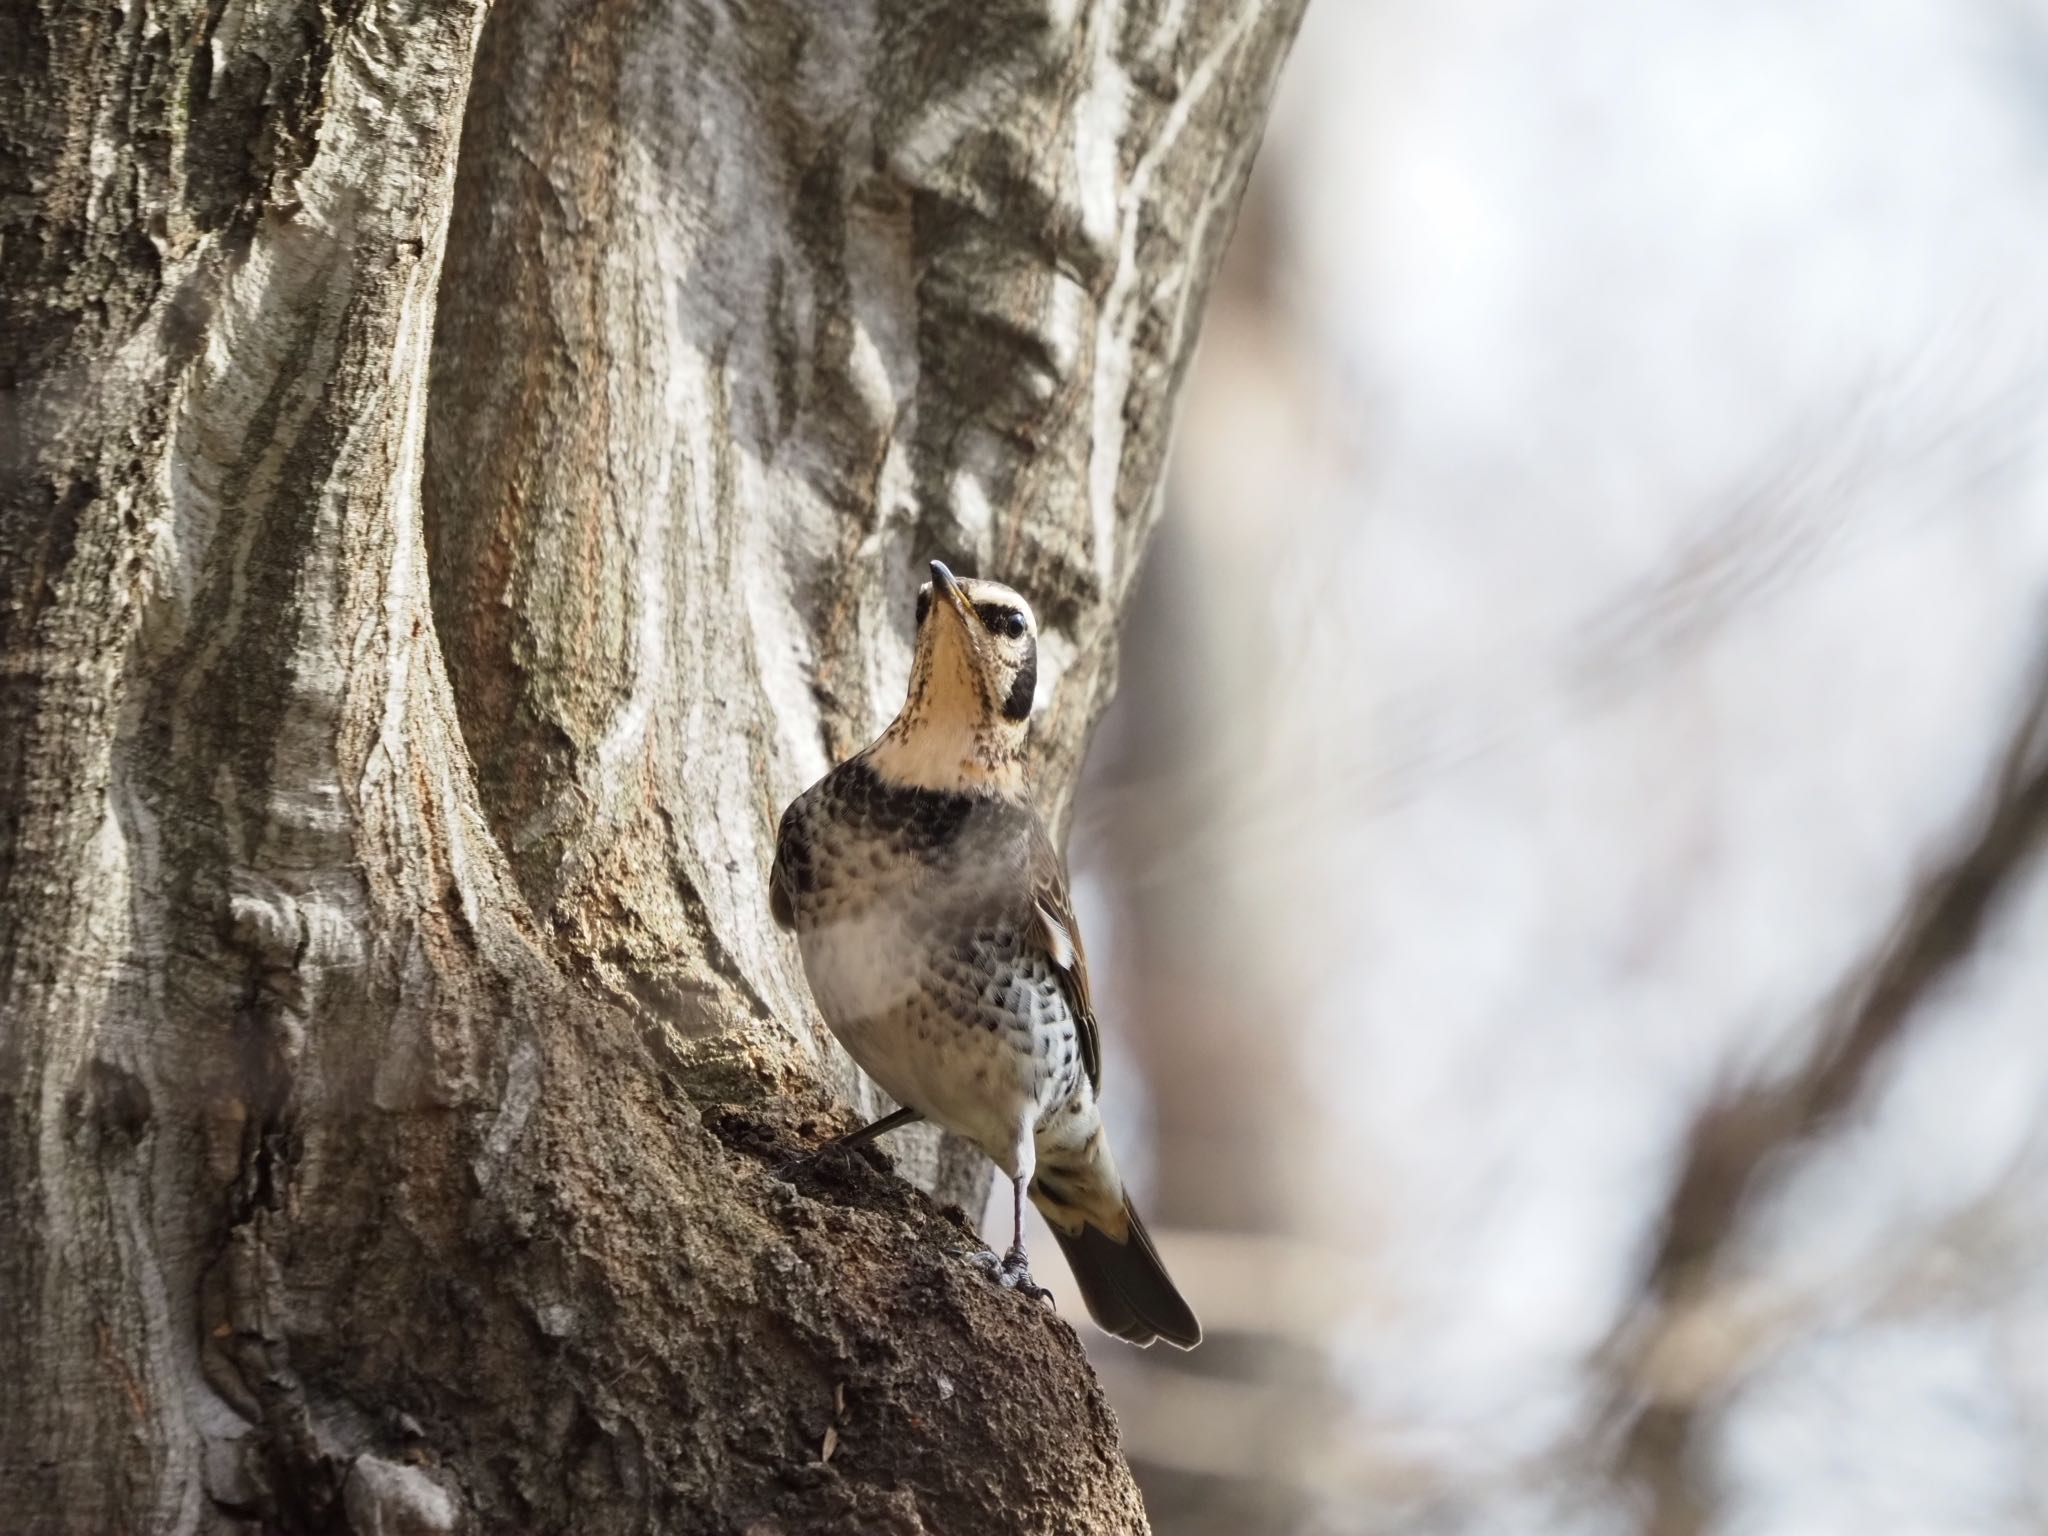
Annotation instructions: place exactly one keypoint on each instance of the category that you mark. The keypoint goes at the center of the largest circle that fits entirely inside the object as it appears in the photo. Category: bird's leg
(894, 1120)
(1016, 1261)
(1015, 1269)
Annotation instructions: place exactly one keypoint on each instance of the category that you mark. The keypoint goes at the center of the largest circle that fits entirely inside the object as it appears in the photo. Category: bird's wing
(779, 904)
(1060, 937)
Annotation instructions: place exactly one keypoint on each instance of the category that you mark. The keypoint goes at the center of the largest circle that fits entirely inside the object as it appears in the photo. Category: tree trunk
(464, 472)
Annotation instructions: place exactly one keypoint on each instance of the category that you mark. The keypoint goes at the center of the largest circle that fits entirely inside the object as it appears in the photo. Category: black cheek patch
(1018, 705)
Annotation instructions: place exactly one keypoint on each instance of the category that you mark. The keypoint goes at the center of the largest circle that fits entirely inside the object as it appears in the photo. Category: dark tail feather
(1126, 1287)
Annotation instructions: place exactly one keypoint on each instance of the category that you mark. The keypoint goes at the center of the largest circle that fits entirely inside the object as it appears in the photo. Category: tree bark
(464, 471)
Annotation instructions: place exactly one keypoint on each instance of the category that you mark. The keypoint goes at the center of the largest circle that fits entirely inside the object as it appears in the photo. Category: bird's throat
(936, 752)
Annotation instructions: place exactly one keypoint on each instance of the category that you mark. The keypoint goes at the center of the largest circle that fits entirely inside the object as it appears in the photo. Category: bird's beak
(949, 589)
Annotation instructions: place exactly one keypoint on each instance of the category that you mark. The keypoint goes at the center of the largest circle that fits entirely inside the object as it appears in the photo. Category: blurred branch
(1738, 1133)
(1910, 446)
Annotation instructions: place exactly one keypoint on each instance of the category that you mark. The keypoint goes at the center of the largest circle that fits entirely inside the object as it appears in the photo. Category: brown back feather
(1059, 937)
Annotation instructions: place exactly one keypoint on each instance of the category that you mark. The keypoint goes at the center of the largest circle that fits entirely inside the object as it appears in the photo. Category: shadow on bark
(396, 1050)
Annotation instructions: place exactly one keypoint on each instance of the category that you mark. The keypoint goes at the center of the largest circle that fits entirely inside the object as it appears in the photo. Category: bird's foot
(816, 1159)
(790, 1167)
(1013, 1273)
(810, 1160)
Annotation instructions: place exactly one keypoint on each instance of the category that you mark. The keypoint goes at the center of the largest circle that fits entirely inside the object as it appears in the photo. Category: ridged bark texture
(463, 471)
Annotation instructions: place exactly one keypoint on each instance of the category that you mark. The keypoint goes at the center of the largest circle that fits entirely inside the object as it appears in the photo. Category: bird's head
(972, 679)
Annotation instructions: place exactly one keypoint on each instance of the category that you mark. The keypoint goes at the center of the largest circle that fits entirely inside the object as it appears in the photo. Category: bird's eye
(924, 606)
(1001, 620)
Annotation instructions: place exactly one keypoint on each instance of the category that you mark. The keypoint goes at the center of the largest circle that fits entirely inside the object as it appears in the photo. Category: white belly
(949, 1053)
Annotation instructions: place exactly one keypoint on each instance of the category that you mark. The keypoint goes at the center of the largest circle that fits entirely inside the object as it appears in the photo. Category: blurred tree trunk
(403, 669)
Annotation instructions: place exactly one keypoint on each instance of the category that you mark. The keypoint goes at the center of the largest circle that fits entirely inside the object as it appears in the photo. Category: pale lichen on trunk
(390, 753)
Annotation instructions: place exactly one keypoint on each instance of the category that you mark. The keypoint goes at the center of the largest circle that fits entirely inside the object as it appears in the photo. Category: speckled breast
(889, 884)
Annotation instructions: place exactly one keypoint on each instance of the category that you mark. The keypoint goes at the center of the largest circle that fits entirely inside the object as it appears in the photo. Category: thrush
(932, 912)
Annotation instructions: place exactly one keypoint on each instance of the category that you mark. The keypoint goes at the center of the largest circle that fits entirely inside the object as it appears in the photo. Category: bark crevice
(429, 558)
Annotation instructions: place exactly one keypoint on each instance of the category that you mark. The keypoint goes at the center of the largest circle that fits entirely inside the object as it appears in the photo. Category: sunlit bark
(463, 472)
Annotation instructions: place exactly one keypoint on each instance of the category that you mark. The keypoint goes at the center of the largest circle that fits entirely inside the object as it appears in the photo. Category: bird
(932, 913)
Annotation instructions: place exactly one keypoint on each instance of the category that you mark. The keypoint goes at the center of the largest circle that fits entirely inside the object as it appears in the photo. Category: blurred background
(1564, 873)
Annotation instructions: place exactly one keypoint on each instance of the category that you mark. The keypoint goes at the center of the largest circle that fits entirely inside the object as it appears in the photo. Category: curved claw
(817, 1157)
(788, 1169)
(1012, 1273)
(1015, 1274)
